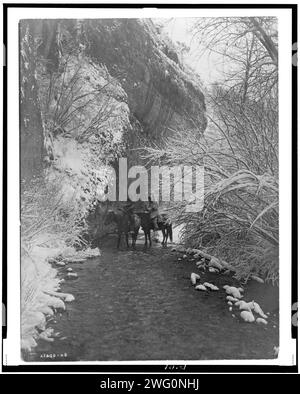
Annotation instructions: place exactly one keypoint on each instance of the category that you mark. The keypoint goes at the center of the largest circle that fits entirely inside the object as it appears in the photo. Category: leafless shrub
(239, 152)
(43, 211)
(78, 100)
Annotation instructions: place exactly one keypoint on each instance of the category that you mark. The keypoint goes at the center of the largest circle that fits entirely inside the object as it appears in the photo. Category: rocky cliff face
(162, 96)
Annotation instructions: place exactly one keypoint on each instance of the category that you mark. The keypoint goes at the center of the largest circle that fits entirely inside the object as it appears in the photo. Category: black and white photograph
(150, 186)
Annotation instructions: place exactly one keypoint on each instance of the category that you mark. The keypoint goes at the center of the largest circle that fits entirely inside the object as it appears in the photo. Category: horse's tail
(171, 233)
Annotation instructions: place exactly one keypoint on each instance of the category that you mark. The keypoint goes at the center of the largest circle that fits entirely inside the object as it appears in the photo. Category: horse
(164, 224)
(125, 223)
(147, 226)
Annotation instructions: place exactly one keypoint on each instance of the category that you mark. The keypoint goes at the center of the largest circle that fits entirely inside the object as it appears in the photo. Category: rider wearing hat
(152, 207)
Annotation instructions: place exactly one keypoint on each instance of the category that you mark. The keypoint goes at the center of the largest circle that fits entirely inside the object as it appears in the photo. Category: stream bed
(140, 305)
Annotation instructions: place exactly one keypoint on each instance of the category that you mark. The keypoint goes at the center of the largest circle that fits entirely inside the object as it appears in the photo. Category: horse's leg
(127, 243)
(134, 237)
(119, 239)
(145, 244)
(149, 235)
(164, 235)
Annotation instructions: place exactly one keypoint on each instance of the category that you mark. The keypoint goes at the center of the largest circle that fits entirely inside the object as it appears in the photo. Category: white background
(11, 351)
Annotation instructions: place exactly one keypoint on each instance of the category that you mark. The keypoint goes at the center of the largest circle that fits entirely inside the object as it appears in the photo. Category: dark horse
(125, 223)
(164, 224)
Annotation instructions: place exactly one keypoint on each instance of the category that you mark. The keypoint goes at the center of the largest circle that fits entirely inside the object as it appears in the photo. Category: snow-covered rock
(260, 320)
(257, 309)
(46, 310)
(56, 303)
(246, 306)
(69, 298)
(60, 263)
(211, 286)
(247, 316)
(63, 296)
(215, 263)
(27, 343)
(201, 287)
(35, 319)
(194, 278)
(72, 275)
(232, 299)
(233, 291)
(257, 279)
(46, 335)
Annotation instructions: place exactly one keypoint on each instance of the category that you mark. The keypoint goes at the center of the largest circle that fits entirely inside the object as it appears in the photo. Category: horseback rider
(129, 206)
(129, 209)
(152, 207)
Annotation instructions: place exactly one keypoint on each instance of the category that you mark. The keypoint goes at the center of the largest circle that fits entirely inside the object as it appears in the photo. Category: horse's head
(109, 218)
